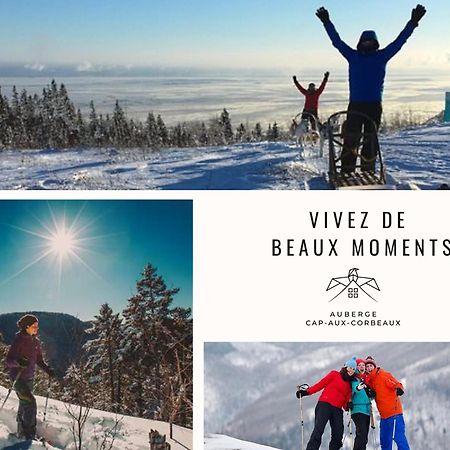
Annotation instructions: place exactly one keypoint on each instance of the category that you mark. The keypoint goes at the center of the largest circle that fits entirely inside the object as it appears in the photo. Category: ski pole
(12, 386)
(46, 399)
(372, 425)
(395, 419)
(302, 387)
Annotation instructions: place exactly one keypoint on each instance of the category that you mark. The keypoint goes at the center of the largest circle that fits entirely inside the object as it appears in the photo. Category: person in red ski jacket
(311, 108)
(337, 392)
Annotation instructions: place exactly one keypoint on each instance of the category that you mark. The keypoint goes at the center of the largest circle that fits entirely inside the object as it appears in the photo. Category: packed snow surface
(420, 156)
(222, 442)
(132, 432)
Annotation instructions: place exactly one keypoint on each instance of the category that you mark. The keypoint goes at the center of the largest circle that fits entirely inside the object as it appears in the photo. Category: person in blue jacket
(360, 406)
(367, 70)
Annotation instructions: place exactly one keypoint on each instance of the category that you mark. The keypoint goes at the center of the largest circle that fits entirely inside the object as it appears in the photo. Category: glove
(417, 13)
(326, 75)
(400, 392)
(323, 15)
(302, 393)
(350, 405)
(370, 393)
(294, 78)
(23, 362)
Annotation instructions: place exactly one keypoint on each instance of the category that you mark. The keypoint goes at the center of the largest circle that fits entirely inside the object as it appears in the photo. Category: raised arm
(324, 82)
(394, 47)
(337, 42)
(299, 86)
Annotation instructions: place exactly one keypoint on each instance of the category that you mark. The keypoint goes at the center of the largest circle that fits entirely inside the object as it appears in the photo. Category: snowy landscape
(417, 156)
(250, 390)
(122, 432)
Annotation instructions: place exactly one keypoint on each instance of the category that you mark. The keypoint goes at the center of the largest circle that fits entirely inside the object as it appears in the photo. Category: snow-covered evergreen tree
(157, 351)
(227, 130)
(104, 361)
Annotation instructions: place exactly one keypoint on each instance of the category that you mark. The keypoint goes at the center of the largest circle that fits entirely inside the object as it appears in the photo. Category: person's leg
(371, 145)
(27, 407)
(400, 434)
(386, 429)
(322, 415)
(337, 428)
(362, 422)
(352, 136)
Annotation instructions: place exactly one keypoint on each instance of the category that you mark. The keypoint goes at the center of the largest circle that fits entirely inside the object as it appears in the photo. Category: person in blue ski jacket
(367, 70)
(360, 406)
(23, 356)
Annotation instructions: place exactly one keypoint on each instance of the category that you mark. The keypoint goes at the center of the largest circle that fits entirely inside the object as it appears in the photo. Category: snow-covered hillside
(420, 156)
(131, 433)
(222, 442)
(256, 402)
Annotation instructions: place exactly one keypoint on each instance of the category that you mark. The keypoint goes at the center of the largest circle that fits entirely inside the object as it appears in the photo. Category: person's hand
(360, 386)
(23, 362)
(350, 405)
(399, 391)
(323, 15)
(51, 372)
(417, 13)
(370, 393)
(326, 75)
(302, 392)
(294, 77)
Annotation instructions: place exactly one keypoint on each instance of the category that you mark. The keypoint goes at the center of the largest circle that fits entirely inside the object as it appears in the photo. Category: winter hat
(25, 321)
(351, 363)
(370, 360)
(311, 86)
(368, 35)
(360, 360)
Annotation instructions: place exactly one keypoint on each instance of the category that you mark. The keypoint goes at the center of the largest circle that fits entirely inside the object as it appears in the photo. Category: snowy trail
(132, 432)
(420, 156)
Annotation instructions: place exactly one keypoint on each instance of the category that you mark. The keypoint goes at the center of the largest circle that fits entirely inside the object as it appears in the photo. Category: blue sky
(210, 34)
(113, 241)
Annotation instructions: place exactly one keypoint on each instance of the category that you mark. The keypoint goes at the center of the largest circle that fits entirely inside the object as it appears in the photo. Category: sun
(62, 241)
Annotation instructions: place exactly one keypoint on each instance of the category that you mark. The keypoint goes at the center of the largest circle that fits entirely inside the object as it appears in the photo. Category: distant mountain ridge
(61, 335)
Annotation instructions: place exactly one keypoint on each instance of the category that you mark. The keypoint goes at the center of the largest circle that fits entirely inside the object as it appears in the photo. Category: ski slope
(132, 432)
(419, 156)
(223, 442)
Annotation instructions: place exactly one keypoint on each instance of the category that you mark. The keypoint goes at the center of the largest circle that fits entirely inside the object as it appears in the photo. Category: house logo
(353, 286)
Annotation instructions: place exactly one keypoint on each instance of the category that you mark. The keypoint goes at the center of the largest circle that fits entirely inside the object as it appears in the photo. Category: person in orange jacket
(311, 108)
(337, 392)
(387, 392)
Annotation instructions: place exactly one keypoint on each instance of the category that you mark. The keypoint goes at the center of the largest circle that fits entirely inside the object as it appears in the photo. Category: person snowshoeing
(311, 108)
(388, 390)
(336, 394)
(360, 406)
(23, 356)
(367, 70)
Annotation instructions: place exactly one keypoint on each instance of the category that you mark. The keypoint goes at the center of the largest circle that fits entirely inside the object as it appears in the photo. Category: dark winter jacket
(311, 98)
(336, 391)
(29, 347)
(368, 69)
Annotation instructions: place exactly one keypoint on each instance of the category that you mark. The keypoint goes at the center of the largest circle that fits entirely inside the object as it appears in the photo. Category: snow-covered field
(222, 442)
(132, 432)
(420, 156)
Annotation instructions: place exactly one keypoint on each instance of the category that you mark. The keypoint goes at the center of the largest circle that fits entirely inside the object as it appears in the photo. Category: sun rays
(62, 242)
